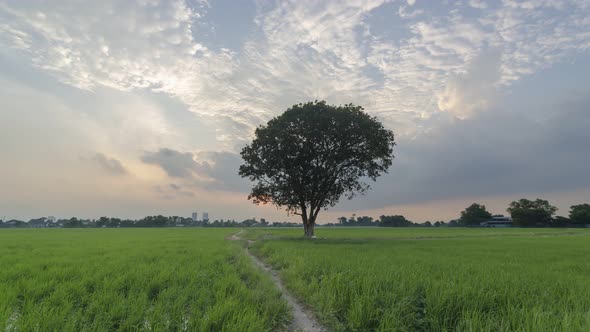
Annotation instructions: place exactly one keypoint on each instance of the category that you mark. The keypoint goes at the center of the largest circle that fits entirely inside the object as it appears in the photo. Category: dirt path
(303, 319)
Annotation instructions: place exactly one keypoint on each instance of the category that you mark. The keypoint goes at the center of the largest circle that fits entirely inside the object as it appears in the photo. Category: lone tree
(474, 215)
(527, 213)
(307, 158)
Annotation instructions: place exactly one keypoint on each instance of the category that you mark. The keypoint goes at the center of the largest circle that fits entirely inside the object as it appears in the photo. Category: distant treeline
(149, 221)
(176, 221)
(387, 221)
(523, 213)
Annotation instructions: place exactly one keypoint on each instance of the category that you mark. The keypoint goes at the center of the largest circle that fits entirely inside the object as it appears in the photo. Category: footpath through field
(303, 319)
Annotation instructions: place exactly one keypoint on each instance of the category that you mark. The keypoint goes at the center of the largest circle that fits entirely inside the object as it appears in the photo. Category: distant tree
(342, 220)
(527, 213)
(580, 214)
(394, 221)
(160, 221)
(37, 222)
(428, 224)
(437, 224)
(72, 222)
(560, 221)
(364, 221)
(250, 222)
(474, 215)
(453, 223)
(103, 222)
(313, 154)
(115, 222)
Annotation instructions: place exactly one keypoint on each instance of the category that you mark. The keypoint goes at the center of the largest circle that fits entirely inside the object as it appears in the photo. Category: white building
(195, 216)
(498, 221)
(205, 216)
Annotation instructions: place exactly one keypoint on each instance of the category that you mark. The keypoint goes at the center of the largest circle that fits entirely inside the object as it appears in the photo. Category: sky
(140, 107)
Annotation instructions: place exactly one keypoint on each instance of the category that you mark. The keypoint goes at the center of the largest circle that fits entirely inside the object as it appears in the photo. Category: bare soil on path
(303, 319)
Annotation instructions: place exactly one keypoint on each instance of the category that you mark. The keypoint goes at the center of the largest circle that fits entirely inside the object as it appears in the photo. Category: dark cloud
(172, 191)
(222, 169)
(178, 190)
(110, 165)
(174, 163)
(210, 170)
(495, 152)
(492, 153)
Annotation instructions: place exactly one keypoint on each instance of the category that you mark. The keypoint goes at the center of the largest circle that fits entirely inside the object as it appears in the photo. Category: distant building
(498, 221)
(205, 216)
(194, 216)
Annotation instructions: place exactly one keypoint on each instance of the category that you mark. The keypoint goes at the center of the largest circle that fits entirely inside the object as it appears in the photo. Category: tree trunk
(308, 221)
(310, 230)
(308, 227)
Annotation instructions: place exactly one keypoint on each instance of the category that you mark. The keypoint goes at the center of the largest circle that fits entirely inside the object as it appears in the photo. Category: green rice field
(354, 279)
(132, 280)
(447, 279)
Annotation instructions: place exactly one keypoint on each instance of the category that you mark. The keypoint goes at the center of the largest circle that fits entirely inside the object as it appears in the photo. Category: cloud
(221, 172)
(296, 51)
(494, 152)
(174, 163)
(479, 4)
(110, 165)
(147, 45)
(172, 192)
(178, 190)
(204, 170)
(475, 89)
(122, 77)
(136, 49)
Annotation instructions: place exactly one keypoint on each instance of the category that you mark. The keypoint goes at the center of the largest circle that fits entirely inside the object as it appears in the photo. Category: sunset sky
(140, 107)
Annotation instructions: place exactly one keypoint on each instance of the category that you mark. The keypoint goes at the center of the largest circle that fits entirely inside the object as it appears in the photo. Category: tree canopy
(527, 213)
(580, 214)
(394, 221)
(311, 155)
(474, 215)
